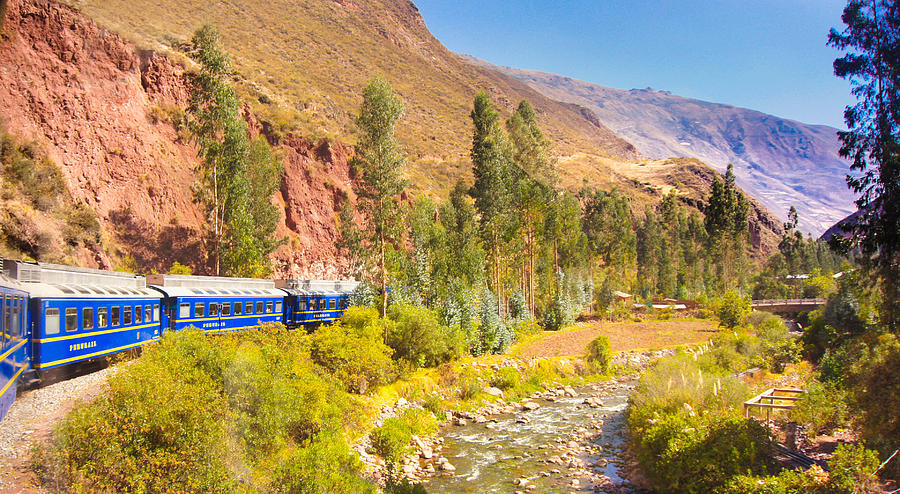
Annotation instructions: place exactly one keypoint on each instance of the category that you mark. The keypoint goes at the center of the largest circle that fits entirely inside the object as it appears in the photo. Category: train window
(184, 311)
(114, 316)
(87, 318)
(198, 309)
(237, 308)
(101, 317)
(71, 319)
(14, 322)
(342, 304)
(213, 309)
(51, 321)
(155, 312)
(148, 313)
(302, 304)
(278, 307)
(137, 313)
(2, 319)
(259, 307)
(332, 303)
(321, 304)
(226, 309)
(268, 307)
(248, 308)
(126, 316)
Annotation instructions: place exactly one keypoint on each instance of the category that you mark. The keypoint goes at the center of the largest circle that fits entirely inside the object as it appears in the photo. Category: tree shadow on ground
(157, 247)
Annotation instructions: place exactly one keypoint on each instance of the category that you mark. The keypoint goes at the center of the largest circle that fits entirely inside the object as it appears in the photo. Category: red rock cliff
(89, 98)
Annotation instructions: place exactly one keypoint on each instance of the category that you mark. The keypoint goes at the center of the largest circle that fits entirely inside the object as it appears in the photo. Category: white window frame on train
(184, 310)
(51, 320)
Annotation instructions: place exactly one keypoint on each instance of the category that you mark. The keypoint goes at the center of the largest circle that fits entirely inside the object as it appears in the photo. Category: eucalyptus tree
(380, 161)
(872, 141)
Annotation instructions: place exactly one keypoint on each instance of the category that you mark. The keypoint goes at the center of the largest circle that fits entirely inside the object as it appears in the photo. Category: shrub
(853, 469)
(417, 337)
(599, 353)
(356, 356)
(391, 440)
(679, 381)
(683, 453)
(823, 408)
(732, 309)
(506, 378)
(197, 412)
(875, 391)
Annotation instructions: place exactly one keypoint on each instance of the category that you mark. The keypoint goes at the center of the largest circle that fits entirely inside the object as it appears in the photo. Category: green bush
(823, 408)
(599, 353)
(852, 472)
(355, 355)
(732, 309)
(391, 440)
(197, 413)
(417, 337)
(506, 378)
(684, 453)
(875, 391)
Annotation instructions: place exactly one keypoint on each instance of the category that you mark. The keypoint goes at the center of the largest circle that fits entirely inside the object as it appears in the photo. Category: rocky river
(561, 440)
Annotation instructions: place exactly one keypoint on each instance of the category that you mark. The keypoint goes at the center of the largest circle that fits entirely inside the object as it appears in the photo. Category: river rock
(460, 421)
(448, 416)
(530, 405)
(494, 391)
(569, 392)
(521, 482)
(479, 419)
(426, 452)
(572, 445)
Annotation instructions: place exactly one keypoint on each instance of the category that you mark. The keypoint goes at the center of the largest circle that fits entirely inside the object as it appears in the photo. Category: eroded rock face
(101, 109)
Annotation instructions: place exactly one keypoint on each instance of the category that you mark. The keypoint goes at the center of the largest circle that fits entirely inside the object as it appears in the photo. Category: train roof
(65, 290)
(317, 287)
(180, 291)
(208, 282)
(315, 293)
(57, 274)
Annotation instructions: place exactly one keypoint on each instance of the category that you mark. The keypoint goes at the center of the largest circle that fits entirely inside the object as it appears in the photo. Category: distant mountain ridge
(781, 162)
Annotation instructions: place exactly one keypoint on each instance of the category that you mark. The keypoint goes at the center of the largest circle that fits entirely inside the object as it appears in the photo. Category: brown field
(623, 336)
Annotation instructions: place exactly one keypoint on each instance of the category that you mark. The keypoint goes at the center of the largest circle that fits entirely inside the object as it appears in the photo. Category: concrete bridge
(788, 305)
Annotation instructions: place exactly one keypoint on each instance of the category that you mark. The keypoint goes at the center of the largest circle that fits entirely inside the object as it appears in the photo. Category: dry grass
(623, 336)
(303, 64)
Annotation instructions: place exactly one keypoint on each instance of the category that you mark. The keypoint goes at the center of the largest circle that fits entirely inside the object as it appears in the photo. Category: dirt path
(652, 335)
(31, 419)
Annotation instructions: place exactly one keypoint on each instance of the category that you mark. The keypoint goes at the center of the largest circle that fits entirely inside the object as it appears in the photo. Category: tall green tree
(380, 161)
(490, 165)
(726, 226)
(872, 141)
(236, 177)
(532, 179)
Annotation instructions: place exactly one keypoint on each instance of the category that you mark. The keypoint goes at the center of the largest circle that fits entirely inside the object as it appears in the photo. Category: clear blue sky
(768, 55)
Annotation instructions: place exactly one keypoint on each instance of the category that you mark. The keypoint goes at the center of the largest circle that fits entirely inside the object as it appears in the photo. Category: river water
(563, 446)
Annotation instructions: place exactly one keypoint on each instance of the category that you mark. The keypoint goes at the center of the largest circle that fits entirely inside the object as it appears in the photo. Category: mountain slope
(304, 63)
(780, 162)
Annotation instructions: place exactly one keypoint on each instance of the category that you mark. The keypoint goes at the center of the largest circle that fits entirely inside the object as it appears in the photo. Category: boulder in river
(530, 405)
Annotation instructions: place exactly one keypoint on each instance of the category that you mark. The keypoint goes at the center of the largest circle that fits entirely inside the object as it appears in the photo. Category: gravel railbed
(37, 410)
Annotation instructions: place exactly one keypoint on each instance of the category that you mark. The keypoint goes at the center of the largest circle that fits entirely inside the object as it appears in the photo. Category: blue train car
(80, 314)
(315, 301)
(216, 304)
(14, 336)
(75, 323)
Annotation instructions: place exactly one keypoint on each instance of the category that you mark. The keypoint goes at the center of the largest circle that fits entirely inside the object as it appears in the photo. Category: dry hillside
(94, 86)
(303, 65)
